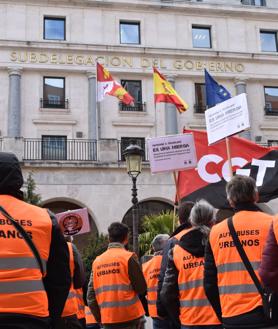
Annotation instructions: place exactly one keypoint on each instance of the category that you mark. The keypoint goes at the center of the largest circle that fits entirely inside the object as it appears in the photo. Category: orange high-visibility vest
(90, 319)
(151, 270)
(80, 302)
(275, 228)
(195, 309)
(71, 306)
(179, 235)
(21, 286)
(117, 300)
(238, 294)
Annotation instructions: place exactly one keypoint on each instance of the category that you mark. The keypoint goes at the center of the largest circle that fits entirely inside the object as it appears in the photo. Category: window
(272, 142)
(200, 98)
(54, 93)
(54, 147)
(130, 32)
(134, 88)
(268, 41)
(126, 141)
(253, 2)
(201, 37)
(54, 28)
(271, 100)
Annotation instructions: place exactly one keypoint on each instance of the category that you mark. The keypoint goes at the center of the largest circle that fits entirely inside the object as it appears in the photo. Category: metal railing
(253, 3)
(60, 150)
(270, 111)
(120, 152)
(58, 104)
(138, 107)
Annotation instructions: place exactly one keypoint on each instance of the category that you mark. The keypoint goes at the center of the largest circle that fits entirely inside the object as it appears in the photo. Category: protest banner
(74, 222)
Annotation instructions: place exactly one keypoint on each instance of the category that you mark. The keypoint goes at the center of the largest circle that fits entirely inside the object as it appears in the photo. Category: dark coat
(169, 294)
(269, 265)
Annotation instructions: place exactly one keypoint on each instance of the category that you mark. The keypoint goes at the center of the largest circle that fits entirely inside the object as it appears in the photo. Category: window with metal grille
(200, 98)
(126, 141)
(54, 147)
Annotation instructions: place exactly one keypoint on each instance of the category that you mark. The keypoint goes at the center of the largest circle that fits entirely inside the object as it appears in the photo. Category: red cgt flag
(209, 179)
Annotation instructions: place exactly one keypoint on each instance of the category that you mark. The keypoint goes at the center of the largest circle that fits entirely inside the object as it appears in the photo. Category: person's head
(184, 212)
(241, 189)
(159, 242)
(202, 214)
(118, 232)
(11, 179)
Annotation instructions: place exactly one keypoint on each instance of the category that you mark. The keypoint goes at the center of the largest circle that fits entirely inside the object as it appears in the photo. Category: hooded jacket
(57, 279)
(169, 294)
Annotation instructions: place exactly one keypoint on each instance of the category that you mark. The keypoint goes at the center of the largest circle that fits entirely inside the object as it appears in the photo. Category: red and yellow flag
(165, 93)
(106, 85)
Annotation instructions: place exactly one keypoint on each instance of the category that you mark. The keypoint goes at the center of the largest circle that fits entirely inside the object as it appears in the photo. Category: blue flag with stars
(215, 93)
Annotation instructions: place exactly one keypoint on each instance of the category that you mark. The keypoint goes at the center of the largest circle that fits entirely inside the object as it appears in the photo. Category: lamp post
(133, 155)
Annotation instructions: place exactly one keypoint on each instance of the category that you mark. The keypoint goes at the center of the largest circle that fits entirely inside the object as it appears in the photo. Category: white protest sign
(74, 222)
(169, 153)
(227, 118)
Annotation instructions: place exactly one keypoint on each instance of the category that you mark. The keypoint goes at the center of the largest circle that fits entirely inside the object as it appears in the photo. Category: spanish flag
(165, 93)
(106, 85)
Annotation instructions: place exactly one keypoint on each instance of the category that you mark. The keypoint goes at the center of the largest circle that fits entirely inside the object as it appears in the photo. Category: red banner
(208, 180)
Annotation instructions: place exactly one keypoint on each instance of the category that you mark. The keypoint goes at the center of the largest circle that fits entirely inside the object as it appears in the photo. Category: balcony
(57, 104)
(259, 3)
(59, 149)
(268, 110)
(123, 144)
(138, 107)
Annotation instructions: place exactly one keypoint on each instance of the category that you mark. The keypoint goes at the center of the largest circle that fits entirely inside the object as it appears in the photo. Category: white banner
(227, 118)
(169, 153)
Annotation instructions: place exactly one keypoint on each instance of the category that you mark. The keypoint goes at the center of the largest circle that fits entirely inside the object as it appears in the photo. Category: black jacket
(57, 279)
(169, 294)
(253, 319)
(161, 310)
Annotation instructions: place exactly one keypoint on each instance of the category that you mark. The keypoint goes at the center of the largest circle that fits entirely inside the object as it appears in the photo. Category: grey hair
(159, 241)
(202, 216)
(241, 189)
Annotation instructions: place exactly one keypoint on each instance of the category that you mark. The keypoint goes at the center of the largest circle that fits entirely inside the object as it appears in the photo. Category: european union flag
(215, 93)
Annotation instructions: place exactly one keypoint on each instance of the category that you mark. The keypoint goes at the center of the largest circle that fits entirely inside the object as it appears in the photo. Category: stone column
(171, 120)
(14, 107)
(93, 127)
(240, 85)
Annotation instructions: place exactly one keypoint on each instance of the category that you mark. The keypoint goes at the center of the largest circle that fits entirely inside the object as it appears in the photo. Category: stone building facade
(49, 115)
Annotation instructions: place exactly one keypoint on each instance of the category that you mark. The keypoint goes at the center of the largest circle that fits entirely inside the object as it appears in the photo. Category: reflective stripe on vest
(238, 294)
(117, 301)
(151, 270)
(80, 302)
(71, 306)
(12, 263)
(21, 287)
(90, 319)
(195, 309)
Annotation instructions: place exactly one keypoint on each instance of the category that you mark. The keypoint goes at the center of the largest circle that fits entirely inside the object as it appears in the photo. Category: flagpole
(228, 149)
(155, 119)
(177, 198)
(97, 106)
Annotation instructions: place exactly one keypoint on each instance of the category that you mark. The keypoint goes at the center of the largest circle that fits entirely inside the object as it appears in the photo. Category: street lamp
(133, 156)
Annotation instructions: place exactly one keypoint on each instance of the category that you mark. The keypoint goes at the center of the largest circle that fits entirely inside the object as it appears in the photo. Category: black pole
(134, 217)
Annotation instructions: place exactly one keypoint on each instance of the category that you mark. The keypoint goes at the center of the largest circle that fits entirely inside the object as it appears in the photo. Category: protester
(69, 315)
(227, 283)
(28, 298)
(79, 294)
(151, 271)
(269, 265)
(183, 213)
(115, 283)
(182, 291)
